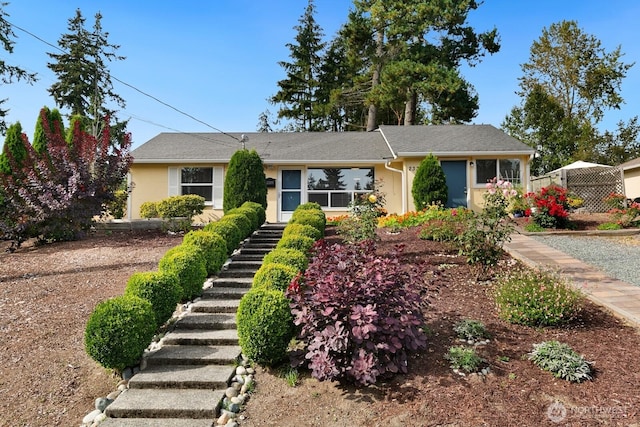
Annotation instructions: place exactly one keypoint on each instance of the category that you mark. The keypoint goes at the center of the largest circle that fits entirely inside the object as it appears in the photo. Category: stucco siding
(632, 183)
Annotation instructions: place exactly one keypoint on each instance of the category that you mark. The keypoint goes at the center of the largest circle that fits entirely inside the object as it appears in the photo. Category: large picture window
(337, 187)
(202, 181)
(505, 169)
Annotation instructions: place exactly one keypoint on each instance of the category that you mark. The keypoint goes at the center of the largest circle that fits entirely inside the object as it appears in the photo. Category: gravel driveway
(617, 256)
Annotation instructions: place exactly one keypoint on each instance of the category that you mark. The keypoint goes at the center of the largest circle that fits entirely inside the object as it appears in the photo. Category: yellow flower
(372, 198)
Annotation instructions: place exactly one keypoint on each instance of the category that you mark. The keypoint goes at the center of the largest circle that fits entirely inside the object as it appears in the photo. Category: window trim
(477, 184)
(352, 193)
(217, 186)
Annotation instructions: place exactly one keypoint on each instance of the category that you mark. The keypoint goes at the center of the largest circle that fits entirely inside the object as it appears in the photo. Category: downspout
(403, 181)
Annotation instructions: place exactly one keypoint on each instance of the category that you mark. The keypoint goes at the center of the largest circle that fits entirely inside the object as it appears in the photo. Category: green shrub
(180, 206)
(609, 226)
(309, 206)
(241, 221)
(274, 276)
(300, 243)
(464, 359)
(561, 360)
(258, 209)
(229, 231)
(265, 325)
(149, 210)
(302, 230)
(429, 184)
(536, 298)
(187, 264)
(468, 329)
(119, 330)
(162, 290)
(251, 215)
(311, 217)
(245, 180)
(293, 257)
(533, 227)
(214, 248)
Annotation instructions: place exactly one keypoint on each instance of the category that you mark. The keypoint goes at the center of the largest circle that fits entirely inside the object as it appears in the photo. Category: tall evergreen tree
(245, 180)
(54, 118)
(13, 151)
(298, 91)
(9, 73)
(84, 83)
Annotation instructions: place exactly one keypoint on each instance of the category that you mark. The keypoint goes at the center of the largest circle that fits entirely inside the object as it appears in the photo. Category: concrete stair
(183, 383)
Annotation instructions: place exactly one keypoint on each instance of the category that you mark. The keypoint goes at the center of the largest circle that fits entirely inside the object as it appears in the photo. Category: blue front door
(455, 172)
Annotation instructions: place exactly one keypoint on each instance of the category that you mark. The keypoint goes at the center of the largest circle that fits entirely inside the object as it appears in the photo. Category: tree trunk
(410, 108)
(372, 122)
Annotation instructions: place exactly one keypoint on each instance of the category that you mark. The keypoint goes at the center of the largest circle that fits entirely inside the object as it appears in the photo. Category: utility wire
(128, 85)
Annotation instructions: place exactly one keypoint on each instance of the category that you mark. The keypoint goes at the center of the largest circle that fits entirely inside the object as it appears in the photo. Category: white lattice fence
(593, 185)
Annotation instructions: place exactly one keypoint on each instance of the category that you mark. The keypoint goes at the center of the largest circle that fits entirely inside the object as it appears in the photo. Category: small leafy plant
(609, 226)
(536, 298)
(359, 314)
(468, 329)
(464, 359)
(561, 360)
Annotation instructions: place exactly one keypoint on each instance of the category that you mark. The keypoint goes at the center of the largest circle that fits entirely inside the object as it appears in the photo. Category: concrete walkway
(621, 298)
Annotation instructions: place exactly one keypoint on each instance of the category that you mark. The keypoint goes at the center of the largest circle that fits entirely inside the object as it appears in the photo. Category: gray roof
(332, 147)
(452, 140)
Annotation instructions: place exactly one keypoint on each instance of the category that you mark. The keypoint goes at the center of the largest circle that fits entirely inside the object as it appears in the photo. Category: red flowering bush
(624, 211)
(359, 314)
(551, 207)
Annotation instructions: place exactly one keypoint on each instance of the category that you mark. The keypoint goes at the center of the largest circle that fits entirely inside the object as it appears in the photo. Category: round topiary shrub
(310, 217)
(258, 209)
(162, 290)
(302, 230)
(293, 257)
(187, 264)
(149, 210)
(274, 276)
(250, 213)
(309, 206)
(265, 326)
(229, 231)
(300, 243)
(119, 330)
(214, 248)
(241, 221)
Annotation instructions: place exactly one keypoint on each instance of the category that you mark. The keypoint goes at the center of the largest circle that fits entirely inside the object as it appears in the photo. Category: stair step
(202, 337)
(254, 251)
(247, 257)
(232, 282)
(155, 422)
(215, 306)
(183, 377)
(207, 321)
(225, 292)
(272, 240)
(237, 272)
(194, 355)
(247, 265)
(169, 403)
(251, 245)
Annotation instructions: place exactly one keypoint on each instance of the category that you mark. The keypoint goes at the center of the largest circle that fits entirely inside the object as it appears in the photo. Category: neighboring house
(631, 174)
(330, 168)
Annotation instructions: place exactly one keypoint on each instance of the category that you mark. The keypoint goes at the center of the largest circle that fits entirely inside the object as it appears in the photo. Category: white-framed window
(337, 187)
(207, 182)
(505, 169)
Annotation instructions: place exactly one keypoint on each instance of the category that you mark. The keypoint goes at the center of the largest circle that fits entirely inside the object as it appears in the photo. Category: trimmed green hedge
(119, 330)
(300, 243)
(311, 217)
(187, 263)
(302, 230)
(229, 231)
(265, 326)
(162, 290)
(293, 257)
(241, 221)
(274, 276)
(251, 215)
(258, 209)
(213, 246)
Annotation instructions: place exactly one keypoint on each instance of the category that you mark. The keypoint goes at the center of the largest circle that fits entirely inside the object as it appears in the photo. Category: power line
(129, 85)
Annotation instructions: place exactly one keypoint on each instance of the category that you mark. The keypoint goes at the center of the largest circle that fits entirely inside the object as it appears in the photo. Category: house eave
(466, 153)
(266, 160)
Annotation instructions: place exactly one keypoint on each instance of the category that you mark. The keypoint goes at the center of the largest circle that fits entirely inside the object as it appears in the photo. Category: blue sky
(218, 60)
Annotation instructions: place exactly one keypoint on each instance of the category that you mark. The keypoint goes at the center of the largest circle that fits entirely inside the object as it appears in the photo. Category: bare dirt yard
(46, 296)
(48, 292)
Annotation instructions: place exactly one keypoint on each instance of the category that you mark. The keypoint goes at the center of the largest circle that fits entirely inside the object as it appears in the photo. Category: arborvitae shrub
(293, 257)
(245, 180)
(429, 184)
(274, 276)
(213, 246)
(359, 313)
(311, 217)
(241, 221)
(265, 326)
(187, 263)
(300, 243)
(119, 330)
(258, 209)
(302, 230)
(162, 290)
(250, 213)
(229, 231)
